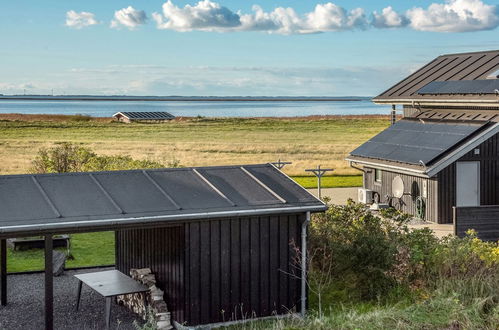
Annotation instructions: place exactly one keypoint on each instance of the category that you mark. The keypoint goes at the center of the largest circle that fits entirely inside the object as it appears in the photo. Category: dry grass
(306, 141)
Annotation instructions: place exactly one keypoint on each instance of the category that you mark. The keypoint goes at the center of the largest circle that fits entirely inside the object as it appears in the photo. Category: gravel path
(25, 305)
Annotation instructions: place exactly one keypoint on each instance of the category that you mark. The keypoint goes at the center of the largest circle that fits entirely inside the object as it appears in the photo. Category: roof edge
(446, 102)
(95, 225)
(462, 150)
(469, 53)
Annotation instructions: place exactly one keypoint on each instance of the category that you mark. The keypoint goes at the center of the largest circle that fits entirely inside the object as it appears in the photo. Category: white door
(468, 184)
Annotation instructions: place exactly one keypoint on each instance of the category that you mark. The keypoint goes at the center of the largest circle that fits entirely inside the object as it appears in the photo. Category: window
(377, 175)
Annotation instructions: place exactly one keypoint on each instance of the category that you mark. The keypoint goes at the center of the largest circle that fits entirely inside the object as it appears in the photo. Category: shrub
(67, 157)
(356, 247)
(368, 256)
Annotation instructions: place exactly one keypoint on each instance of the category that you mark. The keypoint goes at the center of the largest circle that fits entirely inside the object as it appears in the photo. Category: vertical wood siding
(221, 269)
(162, 250)
(408, 206)
(489, 174)
(244, 268)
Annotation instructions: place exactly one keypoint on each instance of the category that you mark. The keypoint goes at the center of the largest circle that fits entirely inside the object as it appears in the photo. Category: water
(196, 108)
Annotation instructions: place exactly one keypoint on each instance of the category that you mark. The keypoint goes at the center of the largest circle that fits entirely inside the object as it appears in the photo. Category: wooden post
(3, 272)
(49, 284)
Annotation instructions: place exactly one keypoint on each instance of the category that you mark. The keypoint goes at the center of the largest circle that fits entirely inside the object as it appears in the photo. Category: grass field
(307, 142)
(336, 181)
(93, 249)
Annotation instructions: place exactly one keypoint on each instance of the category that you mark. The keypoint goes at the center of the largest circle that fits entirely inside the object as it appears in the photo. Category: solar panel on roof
(414, 141)
(488, 86)
(158, 115)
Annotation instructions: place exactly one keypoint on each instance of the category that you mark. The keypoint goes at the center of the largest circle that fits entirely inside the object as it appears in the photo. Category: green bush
(366, 256)
(356, 248)
(67, 157)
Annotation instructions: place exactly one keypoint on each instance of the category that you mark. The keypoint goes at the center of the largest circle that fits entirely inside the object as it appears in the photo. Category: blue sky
(326, 48)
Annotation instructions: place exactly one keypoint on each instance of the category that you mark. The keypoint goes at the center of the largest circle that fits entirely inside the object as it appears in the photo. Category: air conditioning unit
(365, 196)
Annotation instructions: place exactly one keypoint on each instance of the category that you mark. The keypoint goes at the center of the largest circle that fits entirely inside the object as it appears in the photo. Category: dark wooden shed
(445, 149)
(222, 241)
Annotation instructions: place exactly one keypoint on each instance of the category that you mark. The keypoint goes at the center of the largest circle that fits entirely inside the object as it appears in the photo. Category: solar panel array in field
(416, 141)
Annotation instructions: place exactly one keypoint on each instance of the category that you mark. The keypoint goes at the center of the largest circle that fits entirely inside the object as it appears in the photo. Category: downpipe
(304, 265)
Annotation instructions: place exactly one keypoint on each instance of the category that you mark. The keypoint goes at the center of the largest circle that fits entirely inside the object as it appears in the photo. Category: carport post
(49, 284)
(3, 272)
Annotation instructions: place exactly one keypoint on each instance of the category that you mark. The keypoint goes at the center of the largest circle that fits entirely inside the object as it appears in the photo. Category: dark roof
(451, 67)
(73, 202)
(146, 115)
(485, 86)
(417, 142)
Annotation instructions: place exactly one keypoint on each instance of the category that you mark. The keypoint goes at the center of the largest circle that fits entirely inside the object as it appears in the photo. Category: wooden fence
(483, 219)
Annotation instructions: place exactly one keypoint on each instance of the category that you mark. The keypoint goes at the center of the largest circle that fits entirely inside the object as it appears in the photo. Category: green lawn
(334, 181)
(92, 249)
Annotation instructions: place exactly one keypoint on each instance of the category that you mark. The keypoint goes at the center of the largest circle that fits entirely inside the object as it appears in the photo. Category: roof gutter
(399, 169)
(94, 224)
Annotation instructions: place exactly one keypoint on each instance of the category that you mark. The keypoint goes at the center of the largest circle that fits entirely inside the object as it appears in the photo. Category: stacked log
(155, 301)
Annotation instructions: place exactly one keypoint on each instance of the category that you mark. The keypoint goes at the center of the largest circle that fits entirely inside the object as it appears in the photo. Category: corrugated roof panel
(21, 200)
(134, 192)
(416, 141)
(241, 188)
(188, 189)
(69, 202)
(280, 184)
(72, 195)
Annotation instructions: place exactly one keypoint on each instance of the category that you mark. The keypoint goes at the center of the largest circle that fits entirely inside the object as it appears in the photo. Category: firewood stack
(155, 301)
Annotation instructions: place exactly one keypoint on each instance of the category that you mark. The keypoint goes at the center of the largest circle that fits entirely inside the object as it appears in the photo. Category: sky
(228, 48)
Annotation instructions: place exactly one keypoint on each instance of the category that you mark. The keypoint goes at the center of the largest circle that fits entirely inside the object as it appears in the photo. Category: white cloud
(80, 20)
(129, 17)
(207, 15)
(331, 17)
(455, 16)
(211, 16)
(204, 16)
(389, 18)
(280, 20)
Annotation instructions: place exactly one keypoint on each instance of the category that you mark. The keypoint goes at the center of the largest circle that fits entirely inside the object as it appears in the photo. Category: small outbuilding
(143, 116)
(223, 242)
(440, 162)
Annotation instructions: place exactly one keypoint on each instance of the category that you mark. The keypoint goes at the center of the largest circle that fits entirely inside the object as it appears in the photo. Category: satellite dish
(397, 187)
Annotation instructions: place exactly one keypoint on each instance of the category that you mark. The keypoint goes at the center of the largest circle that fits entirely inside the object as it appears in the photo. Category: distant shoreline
(181, 98)
(83, 118)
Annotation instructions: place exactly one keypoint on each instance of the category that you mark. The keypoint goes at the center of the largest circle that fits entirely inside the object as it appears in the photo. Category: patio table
(109, 284)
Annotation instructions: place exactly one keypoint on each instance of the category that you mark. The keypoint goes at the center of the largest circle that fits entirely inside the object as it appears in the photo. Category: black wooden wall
(483, 219)
(162, 250)
(220, 269)
(408, 206)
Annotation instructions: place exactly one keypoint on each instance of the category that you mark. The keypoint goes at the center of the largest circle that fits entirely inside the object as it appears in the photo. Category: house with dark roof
(441, 159)
(143, 116)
